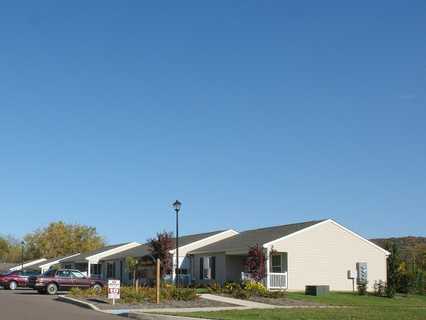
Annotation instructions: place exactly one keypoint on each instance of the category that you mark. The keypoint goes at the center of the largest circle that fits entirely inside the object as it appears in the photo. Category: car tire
(13, 285)
(52, 289)
(97, 287)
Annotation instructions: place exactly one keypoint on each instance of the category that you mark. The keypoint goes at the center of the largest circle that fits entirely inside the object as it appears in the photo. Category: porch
(276, 271)
(223, 267)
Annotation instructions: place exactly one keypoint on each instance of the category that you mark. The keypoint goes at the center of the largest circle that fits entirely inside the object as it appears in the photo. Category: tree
(60, 239)
(132, 265)
(255, 262)
(393, 265)
(10, 249)
(160, 249)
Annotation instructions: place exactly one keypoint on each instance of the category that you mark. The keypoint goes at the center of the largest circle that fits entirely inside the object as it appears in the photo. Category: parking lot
(29, 305)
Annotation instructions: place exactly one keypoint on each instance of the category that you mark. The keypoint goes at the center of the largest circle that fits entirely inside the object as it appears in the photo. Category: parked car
(14, 279)
(53, 281)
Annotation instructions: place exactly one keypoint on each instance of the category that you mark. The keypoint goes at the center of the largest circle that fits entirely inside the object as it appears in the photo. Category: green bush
(230, 286)
(255, 288)
(215, 287)
(87, 293)
(130, 295)
(362, 289)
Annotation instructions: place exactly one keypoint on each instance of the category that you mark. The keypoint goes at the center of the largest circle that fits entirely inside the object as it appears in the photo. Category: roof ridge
(284, 225)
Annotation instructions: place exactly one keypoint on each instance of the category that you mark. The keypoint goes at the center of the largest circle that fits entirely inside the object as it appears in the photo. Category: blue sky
(252, 113)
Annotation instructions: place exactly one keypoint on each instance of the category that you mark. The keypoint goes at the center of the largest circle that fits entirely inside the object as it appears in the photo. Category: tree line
(56, 240)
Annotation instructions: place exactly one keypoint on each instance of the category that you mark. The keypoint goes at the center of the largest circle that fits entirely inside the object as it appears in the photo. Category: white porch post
(88, 269)
(268, 254)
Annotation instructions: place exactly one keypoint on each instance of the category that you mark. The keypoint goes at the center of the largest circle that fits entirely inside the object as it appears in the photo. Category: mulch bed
(105, 304)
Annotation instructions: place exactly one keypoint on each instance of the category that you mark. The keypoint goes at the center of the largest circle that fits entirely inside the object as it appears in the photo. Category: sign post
(158, 280)
(113, 290)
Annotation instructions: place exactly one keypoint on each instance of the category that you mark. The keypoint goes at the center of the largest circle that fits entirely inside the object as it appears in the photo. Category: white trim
(94, 259)
(28, 264)
(234, 233)
(51, 263)
(268, 244)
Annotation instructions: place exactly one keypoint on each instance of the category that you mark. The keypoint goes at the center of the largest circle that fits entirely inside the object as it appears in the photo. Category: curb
(77, 302)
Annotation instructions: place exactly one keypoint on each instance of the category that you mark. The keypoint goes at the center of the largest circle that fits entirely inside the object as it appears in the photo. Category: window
(110, 270)
(77, 274)
(49, 273)
(207, 268)
(276, 263)
(201, 268)
(64, 274)
(95, 269)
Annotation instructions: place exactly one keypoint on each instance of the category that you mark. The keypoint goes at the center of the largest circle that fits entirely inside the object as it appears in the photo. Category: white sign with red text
(113, 289)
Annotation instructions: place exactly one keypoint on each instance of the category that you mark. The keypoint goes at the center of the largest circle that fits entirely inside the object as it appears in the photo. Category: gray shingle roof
(184, 240)
(135, 252)
(59, 259)
(82, 256)
(246, 239)
(144, 249)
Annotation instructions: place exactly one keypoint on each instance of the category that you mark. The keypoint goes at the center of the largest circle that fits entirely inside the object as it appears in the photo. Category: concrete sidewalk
(238, 302)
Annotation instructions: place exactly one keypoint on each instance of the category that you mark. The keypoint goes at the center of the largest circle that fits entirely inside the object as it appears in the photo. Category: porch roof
(241, 242)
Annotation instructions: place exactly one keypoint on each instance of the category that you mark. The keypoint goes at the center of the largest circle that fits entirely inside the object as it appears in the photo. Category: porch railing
(277, 280)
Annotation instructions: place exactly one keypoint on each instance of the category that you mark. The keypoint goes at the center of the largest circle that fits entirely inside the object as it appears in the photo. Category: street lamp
(22, 255)
(177, 205)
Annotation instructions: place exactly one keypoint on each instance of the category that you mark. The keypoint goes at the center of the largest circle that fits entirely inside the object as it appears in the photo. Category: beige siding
(323, 254)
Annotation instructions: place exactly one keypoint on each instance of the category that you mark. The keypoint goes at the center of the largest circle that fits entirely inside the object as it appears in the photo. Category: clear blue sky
(252, 113)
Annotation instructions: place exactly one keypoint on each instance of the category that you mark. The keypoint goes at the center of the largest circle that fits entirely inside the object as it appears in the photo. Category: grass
(411, 307)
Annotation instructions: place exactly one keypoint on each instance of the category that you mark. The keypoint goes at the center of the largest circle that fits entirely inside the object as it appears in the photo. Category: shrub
(255, 288)
(132, 295)
(230, 287)
(215, 287)
(184, 294)
(240, 293)
(380, 288)
(362, 289)
(87, 293)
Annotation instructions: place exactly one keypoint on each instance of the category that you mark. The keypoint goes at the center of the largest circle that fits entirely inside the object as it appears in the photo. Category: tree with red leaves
(160, 249)
(255, 263)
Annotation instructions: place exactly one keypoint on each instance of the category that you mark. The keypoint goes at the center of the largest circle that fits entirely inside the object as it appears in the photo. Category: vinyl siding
(323, 254)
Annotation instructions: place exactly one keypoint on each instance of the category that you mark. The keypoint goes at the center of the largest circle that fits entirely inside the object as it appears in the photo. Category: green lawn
(362, 308)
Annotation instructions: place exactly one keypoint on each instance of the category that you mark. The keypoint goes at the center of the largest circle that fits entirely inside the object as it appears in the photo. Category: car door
(64, 279)
(80, 280)
(21, 278)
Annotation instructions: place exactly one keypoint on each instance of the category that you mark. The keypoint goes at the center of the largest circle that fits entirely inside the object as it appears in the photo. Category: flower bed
(131, 295)
(246, 290)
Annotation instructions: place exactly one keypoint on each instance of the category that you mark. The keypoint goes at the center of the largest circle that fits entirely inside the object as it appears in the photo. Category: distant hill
(409, 247)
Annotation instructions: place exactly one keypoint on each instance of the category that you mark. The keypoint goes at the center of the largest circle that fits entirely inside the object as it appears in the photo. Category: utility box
(317, 290)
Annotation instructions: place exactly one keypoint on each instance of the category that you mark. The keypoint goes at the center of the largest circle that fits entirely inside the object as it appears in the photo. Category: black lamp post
(22, 255)
(177, 205)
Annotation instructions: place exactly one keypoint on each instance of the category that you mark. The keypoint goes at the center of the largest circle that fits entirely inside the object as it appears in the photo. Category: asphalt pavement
(29, 305)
